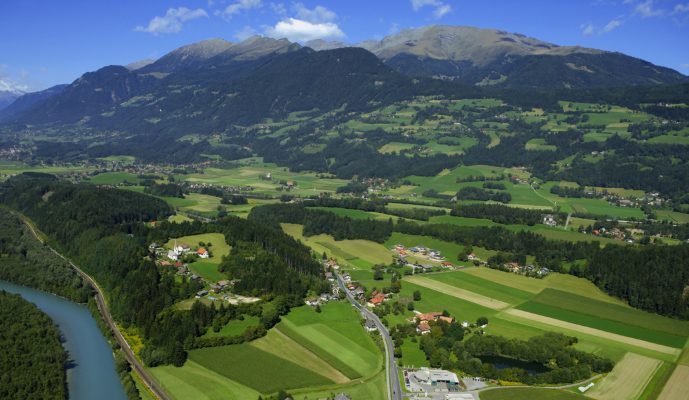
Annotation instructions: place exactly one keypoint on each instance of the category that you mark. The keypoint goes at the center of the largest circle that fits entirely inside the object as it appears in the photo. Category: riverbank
(91, 373)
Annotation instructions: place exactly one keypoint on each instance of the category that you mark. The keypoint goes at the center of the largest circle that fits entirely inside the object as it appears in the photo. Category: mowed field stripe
(628, 379)
(592, 331)
(459, 293)
(676, 386)
(286, 348)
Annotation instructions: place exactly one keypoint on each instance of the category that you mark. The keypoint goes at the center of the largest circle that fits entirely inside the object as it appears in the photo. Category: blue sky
(46, 42)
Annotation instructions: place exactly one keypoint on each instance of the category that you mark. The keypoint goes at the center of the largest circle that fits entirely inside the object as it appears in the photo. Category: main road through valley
(393, 378)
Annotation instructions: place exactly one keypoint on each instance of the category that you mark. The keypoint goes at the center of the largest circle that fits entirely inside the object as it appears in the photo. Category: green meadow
(113, 178)
(234, 327)
(257, 369)
(194, 381)
(482, 286)
(528, 394)
(620, 328)
(335, 335)
(613, 312)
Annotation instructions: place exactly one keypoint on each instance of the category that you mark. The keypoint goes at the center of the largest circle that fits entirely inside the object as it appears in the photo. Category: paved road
(393, 378)
(158, 391)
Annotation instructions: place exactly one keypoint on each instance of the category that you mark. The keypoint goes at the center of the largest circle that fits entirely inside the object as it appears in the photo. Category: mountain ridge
(468, 56)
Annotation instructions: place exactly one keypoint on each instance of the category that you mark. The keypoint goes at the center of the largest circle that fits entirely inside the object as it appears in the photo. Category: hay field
(628, 379)
(677, 388)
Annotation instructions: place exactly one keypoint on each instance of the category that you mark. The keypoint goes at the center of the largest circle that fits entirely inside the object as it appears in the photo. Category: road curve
(393, 378)
(148, 380)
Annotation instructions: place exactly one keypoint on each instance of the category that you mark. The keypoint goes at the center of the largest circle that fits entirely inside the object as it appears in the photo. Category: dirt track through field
(676, 386)
(628, 379)
(592, 331)
(459, 293)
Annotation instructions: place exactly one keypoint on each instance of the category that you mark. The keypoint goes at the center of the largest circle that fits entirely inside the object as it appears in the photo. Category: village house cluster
(528, 269)
(423, 321)
(420, 252)
(175, 258)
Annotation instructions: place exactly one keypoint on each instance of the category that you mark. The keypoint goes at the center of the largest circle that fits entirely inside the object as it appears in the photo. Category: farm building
(202, 252)
(423, 328)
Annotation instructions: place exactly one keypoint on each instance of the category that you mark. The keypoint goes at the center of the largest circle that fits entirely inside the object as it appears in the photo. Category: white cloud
(237, 7)
(306, 24)
(587, 29)
(172, 21)
(440, 8)
(440, 11)
(318, 14)
(279, 9)
(245, 33)
(299, 30)
(7, 85)
(646, 9)
(611, 26)
(681, 8)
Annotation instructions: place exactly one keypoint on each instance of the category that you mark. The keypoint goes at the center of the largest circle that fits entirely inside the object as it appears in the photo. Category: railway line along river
(91, 373)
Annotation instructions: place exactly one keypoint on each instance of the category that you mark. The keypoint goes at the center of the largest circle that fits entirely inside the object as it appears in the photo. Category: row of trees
(480, 194)
(499, 213)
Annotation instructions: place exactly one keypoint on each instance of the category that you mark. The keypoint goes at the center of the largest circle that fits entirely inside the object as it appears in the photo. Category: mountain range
(8, 95)
(215, 83)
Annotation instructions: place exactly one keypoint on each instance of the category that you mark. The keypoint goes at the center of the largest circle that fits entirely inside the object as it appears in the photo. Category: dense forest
(25, 261)
(102, 230)
(652, 278)
(32, 359)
